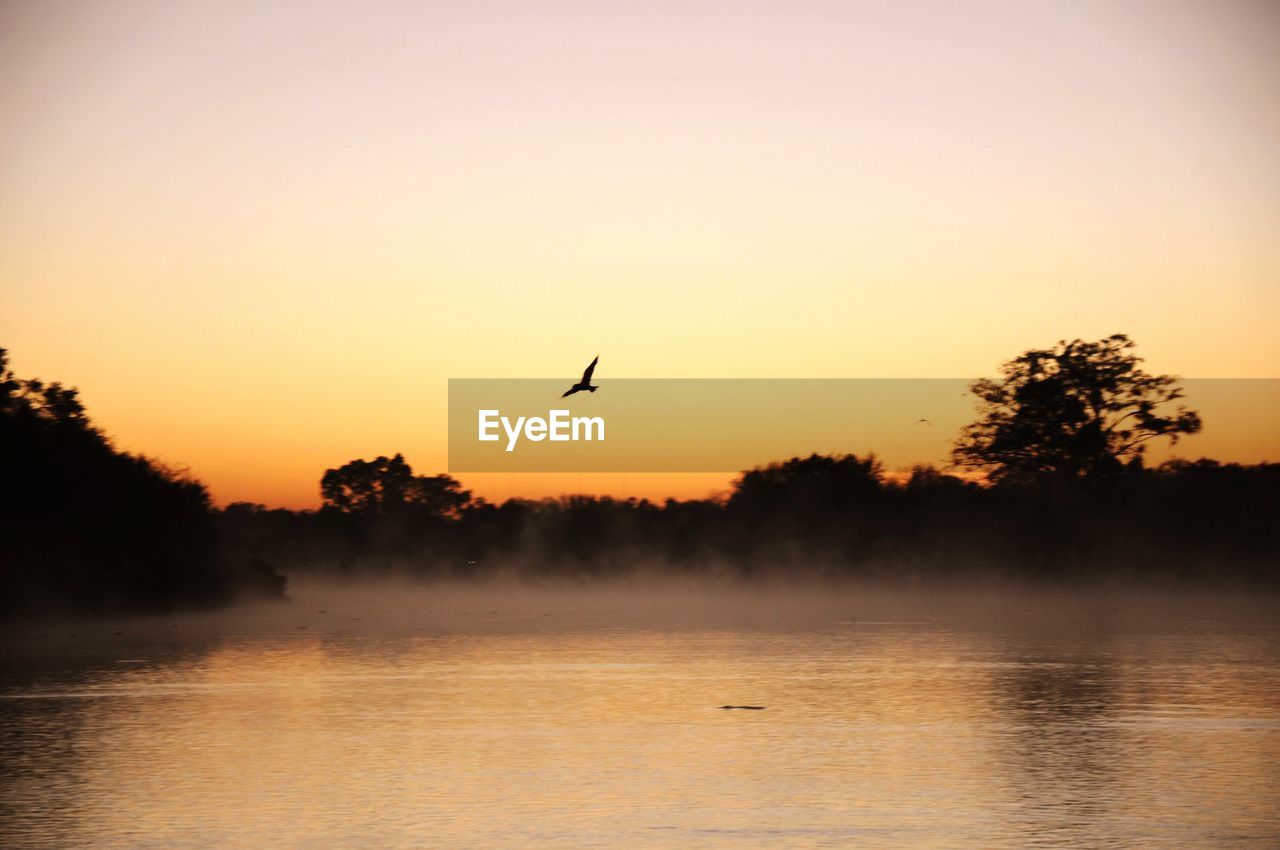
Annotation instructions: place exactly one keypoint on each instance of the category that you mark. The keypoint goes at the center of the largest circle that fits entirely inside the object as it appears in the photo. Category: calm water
(569, 728)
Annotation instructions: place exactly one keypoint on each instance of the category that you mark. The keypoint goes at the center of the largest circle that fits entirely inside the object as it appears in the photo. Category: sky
(260, 238)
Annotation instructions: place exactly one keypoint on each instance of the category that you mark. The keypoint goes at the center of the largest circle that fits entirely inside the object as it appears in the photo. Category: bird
(748, 707)
(925, 421)
(585, 383)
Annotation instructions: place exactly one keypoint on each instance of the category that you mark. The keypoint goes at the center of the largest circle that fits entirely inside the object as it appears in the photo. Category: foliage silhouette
(1067, 496)
(84, 527)
(387, 487)
(1081, 409)
(840, 517)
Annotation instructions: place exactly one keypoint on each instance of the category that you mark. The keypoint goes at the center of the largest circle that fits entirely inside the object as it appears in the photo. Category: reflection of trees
(1060, 740)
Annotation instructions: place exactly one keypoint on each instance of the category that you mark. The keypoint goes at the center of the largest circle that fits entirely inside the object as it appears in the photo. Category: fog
(319, 609)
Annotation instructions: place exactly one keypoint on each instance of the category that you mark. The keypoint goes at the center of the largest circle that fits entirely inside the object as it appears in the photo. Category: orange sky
(261, 237)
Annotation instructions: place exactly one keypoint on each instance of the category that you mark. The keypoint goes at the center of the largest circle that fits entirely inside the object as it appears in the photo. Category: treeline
(1055, 488)
(87, 528)
(821, 515)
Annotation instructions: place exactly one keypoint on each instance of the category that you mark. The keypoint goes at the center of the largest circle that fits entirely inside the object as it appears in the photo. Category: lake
(405, 717)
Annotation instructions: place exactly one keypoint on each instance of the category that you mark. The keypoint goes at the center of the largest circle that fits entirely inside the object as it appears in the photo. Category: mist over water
(394, 714)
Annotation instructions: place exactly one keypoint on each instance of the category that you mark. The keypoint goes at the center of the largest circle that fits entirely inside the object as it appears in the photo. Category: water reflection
(877, 734)
(1058, 704)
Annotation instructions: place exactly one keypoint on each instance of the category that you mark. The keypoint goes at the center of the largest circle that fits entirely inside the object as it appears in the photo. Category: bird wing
(569, 392)
(586, 376)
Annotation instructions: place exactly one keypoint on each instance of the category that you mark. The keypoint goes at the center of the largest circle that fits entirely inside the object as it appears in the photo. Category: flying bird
(925, 421)
(585, 383)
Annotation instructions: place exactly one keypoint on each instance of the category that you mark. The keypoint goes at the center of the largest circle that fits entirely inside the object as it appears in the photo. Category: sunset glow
(261, 239)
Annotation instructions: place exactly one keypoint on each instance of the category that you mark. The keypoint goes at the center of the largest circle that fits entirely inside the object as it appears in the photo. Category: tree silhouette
(387, 487)
(437, 496)
(369, 487)
(86, 527)
(813, 487)
(32, 403)
(1077, 411)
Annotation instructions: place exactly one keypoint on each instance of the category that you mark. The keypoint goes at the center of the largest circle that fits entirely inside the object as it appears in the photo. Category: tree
(438, 496)
(812, 487)
(387, 486)
(371, 487)
(86, 527)
(35, 404)
(1077, 411)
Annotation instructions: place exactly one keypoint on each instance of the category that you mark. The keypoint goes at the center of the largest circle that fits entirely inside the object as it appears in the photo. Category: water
(515, 726)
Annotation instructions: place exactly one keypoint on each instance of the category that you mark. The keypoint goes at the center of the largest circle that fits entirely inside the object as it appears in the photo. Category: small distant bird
(925, 421)
(747, 707)
(585, 383)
